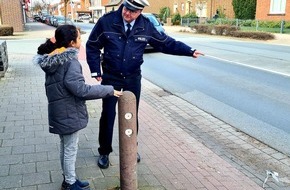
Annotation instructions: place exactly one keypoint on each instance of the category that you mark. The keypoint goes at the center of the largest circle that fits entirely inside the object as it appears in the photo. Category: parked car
(36, 18)
(43, 17)
(158, 25)
(49, 19)
(84, 17)
(61, 20)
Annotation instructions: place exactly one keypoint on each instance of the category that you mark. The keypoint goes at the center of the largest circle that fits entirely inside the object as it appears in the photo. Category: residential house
(113, 5)
(54, 9)
(203, 8)
(74, 8)
(12, 13)
(98, 7)
(273, 10)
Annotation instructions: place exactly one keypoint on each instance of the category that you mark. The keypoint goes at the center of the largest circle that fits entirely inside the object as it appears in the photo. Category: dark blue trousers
(131, 83)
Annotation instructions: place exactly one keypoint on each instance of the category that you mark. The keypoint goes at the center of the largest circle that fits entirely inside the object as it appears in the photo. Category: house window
(175, 8)
(278, 7)
(182, 6)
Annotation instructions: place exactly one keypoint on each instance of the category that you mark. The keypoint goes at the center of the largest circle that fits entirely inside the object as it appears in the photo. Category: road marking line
(250, 66)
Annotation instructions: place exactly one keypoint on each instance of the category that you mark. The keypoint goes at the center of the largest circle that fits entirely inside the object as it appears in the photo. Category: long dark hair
(63, 35)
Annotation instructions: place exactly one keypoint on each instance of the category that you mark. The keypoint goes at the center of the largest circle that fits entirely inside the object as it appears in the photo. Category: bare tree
(200, 5)
(37, 7)
(65, 9)
(46, 4)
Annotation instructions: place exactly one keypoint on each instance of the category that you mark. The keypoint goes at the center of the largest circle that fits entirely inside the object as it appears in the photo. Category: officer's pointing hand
(196, 54)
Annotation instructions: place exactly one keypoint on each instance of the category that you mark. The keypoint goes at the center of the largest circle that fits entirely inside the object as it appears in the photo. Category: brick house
(12, 14)
(203, 8)
(274, 10)
(73, 10)
(112, 5)
(98, 7)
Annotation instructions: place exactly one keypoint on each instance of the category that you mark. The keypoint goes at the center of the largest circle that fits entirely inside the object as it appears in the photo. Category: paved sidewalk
(179, 143)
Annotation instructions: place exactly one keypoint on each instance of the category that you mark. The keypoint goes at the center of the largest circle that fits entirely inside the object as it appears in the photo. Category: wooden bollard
(128, 141)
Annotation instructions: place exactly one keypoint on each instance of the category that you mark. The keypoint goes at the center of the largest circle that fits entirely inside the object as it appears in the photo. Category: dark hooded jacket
(66, 91)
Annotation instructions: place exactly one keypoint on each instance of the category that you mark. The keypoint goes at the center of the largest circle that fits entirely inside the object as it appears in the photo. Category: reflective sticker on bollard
(128, 132)
(128, 116)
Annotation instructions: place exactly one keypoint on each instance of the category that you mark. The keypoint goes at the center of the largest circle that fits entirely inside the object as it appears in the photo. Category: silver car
(61, 20)
(158, 25)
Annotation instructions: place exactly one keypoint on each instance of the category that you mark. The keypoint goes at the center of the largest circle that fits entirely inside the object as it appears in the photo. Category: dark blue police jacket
(124, 55)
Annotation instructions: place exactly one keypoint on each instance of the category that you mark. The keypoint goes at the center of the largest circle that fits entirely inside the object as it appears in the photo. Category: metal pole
(24, 15)
(72, 6)
(128, 141)
(282, 26)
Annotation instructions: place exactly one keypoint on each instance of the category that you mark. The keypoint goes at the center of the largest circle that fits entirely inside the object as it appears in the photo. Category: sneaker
(82, 184)
(72, 187)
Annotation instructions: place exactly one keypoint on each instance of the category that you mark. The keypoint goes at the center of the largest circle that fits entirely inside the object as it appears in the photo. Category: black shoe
(103, 161)
(138, 157)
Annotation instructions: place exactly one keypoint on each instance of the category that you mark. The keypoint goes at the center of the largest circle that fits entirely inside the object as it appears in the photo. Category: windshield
(152, 19)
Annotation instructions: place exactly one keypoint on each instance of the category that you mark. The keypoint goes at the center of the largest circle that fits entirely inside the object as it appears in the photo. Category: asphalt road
(244, 83)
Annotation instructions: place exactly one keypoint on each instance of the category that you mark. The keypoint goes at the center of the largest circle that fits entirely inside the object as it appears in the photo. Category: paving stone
(10, 181)
(4, 170)
(26, 188)
(38, 178)
(23, 149)
(10, 159)
(106, 183)
(47, 166)
(22, 169)
(5, 150)
(35, 157)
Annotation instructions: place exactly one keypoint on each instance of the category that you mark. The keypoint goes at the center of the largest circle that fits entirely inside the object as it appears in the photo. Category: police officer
(123, 36)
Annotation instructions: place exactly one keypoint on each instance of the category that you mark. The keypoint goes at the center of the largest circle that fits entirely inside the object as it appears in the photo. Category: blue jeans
(68, 155)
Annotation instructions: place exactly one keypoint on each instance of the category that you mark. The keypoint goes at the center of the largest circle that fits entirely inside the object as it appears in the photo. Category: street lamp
(23, 10)
(72, 6)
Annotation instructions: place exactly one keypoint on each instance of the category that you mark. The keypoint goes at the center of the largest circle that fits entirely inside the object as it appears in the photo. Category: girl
(66, 92)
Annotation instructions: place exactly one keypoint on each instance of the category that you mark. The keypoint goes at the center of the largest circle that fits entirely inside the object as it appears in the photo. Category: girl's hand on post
(99, 78)
(118, 93)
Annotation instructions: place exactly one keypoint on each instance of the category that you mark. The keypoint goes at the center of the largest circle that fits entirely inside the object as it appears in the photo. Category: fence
(244, 25)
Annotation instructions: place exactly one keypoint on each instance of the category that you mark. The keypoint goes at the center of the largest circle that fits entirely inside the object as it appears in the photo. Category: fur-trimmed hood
(50, 62)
